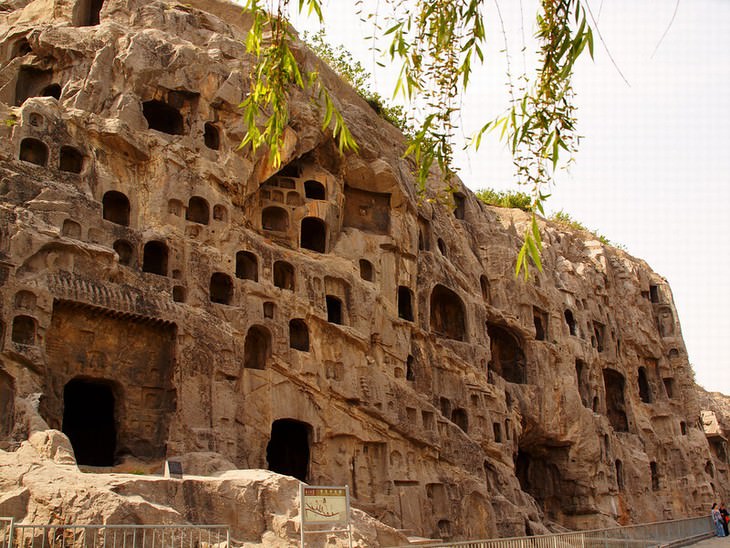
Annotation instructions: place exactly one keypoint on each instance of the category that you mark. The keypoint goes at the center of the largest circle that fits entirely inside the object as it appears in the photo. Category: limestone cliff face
(163, 292)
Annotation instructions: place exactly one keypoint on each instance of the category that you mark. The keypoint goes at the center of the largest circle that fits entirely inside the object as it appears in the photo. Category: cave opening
(486, 292)
(540, 319)
(70, 159)
(125, 251)
(410, 368)
(71, 228)
(314, 234)
(460, 418)
(31, 82)
(537, 468)
(614, 383)
(23, 330)
(162, 117)
(221, 288)
(284, 275)
(256, 347)
(654, 293)
(88, 421)
(654, 469)
(508, 358)
(314, 190)
(288, 449)
(247, 266)
(447, 314)
(211, 136)
(198, 210)
(582, 374)
(366, 270)
(275, 218)
(34, 151)
(154, 258)
(459, 206)
(298, 335)
(405, 304)
(220, 213)
(570, 320)
(619, 474)
(644, 388)
(7, 400)
(334, 309)
(87, 13)
(115, 207)
(179, 294)
(51, 90)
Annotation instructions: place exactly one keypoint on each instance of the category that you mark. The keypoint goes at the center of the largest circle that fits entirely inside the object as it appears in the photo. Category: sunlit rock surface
(164, 293)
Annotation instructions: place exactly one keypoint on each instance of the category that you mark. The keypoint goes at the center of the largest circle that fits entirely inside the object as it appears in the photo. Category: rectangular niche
(132, 355)
(368, 211)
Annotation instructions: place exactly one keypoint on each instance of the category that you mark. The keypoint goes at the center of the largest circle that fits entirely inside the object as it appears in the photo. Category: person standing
(725, 515)
(717, 520)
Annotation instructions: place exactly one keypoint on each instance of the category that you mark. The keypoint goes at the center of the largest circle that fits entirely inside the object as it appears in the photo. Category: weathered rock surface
(259, 506)
(164, 293)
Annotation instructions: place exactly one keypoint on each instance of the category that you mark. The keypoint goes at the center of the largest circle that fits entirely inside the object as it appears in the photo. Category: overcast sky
(653, 170)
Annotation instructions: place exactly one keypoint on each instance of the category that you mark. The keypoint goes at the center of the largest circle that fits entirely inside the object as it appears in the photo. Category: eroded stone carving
(168, 294)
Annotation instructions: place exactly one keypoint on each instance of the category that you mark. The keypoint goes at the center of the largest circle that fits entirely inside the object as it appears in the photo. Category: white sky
(653, 170)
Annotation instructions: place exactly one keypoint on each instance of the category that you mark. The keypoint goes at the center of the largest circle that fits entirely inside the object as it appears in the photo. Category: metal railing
(647, 535)
(6, 532)
(19, 535)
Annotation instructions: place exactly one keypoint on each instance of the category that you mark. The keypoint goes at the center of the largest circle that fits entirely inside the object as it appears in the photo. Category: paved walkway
(714, 542)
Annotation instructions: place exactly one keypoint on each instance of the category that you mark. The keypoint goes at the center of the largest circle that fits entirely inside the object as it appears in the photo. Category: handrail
(22, 535)
(95, 535)
(645, 535)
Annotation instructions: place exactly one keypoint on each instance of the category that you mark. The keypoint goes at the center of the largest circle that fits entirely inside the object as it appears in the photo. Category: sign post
(325, 506)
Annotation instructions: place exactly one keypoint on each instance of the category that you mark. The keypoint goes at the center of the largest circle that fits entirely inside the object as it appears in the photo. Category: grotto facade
(164, 293)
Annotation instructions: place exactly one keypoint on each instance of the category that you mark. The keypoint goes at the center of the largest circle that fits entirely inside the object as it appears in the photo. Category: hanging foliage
(436, 43)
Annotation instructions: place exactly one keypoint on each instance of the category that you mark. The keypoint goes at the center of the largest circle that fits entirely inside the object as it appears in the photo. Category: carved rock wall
(163, 292)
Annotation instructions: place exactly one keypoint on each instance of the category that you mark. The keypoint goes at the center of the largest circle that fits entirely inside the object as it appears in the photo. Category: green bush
(351, 70)
(563, 218)
(508, 198)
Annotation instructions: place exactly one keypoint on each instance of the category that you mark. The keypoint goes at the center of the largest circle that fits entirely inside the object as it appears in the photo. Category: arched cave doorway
(52, 90)
(644, 388)
(288, 449)
(198, 210)
(70, 159)
(154, 258)
(86, 13)
(211, 136)
(256, 347)
(298, 335)
(284, 275)
(314, 234)
(274, 218)
(33, 151)
(614, 383)
(448, 318)
(508, 358)
(88, 421)
(115, 207)
(314, 190)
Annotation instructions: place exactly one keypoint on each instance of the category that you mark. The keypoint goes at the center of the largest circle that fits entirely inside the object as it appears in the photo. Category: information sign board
(173, 469)
(325, 505)
(327, 508)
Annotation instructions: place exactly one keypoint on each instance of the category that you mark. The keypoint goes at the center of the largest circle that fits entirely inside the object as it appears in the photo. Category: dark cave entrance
(88, 421)
(163, 117)
(288, 449)
(539, 466)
